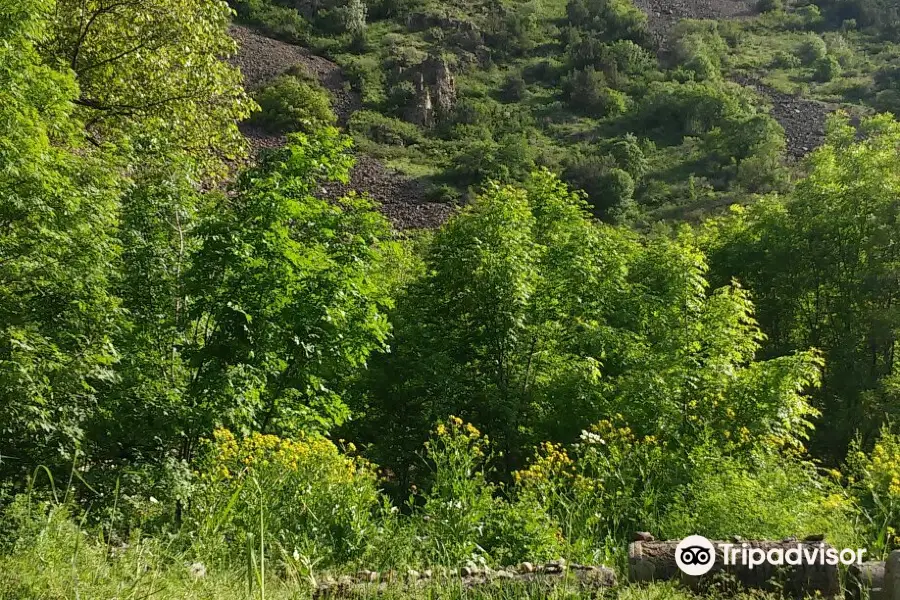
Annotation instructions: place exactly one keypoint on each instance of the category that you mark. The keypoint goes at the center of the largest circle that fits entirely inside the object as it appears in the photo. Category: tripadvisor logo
(695, 555)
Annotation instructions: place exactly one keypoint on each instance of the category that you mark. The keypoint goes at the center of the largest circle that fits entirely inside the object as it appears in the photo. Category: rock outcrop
(435, 91)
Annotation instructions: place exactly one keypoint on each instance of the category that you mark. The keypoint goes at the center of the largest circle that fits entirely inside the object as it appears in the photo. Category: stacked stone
(550, 574)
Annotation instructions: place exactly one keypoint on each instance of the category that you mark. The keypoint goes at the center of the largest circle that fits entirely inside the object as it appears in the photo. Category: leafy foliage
(293, 103)
(803, 278)
(58, 249)
(287, 300)
(534, 322)
(150, 72)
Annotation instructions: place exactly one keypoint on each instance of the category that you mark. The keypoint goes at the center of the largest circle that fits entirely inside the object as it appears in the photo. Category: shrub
(514, 88)
(786, 60)
(547, 70)
(629, 58)
(762, 173)
(811, 16)
(280, 22)
(887, 78)
(770, 5)
(521, 529)
(367, 77)
(888, 101)
(312, 499)
(760, 496)
(586, 90)
(609, 189)
(614, 19)
(481, 157)
(699, 47)
(384, 130)
(826, 69)
(675, 110)
(839, 48)
(629, 156)
(618, 193)
(513, 32)
(293, 104)
(812, 49)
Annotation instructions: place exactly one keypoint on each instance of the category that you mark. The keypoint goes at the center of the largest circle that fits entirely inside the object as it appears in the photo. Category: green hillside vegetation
(221, 379)
(555, 85)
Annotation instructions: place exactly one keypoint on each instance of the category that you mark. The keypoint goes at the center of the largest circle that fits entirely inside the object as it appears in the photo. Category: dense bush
(281, 22)
(366, 74)
(882, 16)
(826, 68)
(620, 60)
(587, 91)
(384, 130)
(513, 32)
(672, 110)
(510, 157)
(609, 189)
(888, 101)
(759, 497)
(293, 103)
(699, 48)
(629, 154)
(786, 60)
(612, 19)
(812, 49)
(514, 88)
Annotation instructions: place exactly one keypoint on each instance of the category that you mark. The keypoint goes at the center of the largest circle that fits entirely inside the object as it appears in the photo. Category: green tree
(57, 254)
(150, 73)
(823, 270)
(287, 296)
(157, 220)
(533, 321)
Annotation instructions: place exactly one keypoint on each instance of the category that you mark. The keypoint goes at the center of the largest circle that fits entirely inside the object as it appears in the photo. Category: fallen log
(655, 561)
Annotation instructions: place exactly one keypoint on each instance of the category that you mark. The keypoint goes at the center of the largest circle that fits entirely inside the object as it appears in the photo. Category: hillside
(472, 299)
(573, 88)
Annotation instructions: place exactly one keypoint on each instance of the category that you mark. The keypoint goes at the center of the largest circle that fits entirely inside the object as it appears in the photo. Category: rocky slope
(663, 14)
(402, 199)
(803, 120)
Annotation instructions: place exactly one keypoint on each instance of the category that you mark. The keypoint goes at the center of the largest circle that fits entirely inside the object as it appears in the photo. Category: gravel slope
(402, 199)
(803, 119)
(663, 14)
